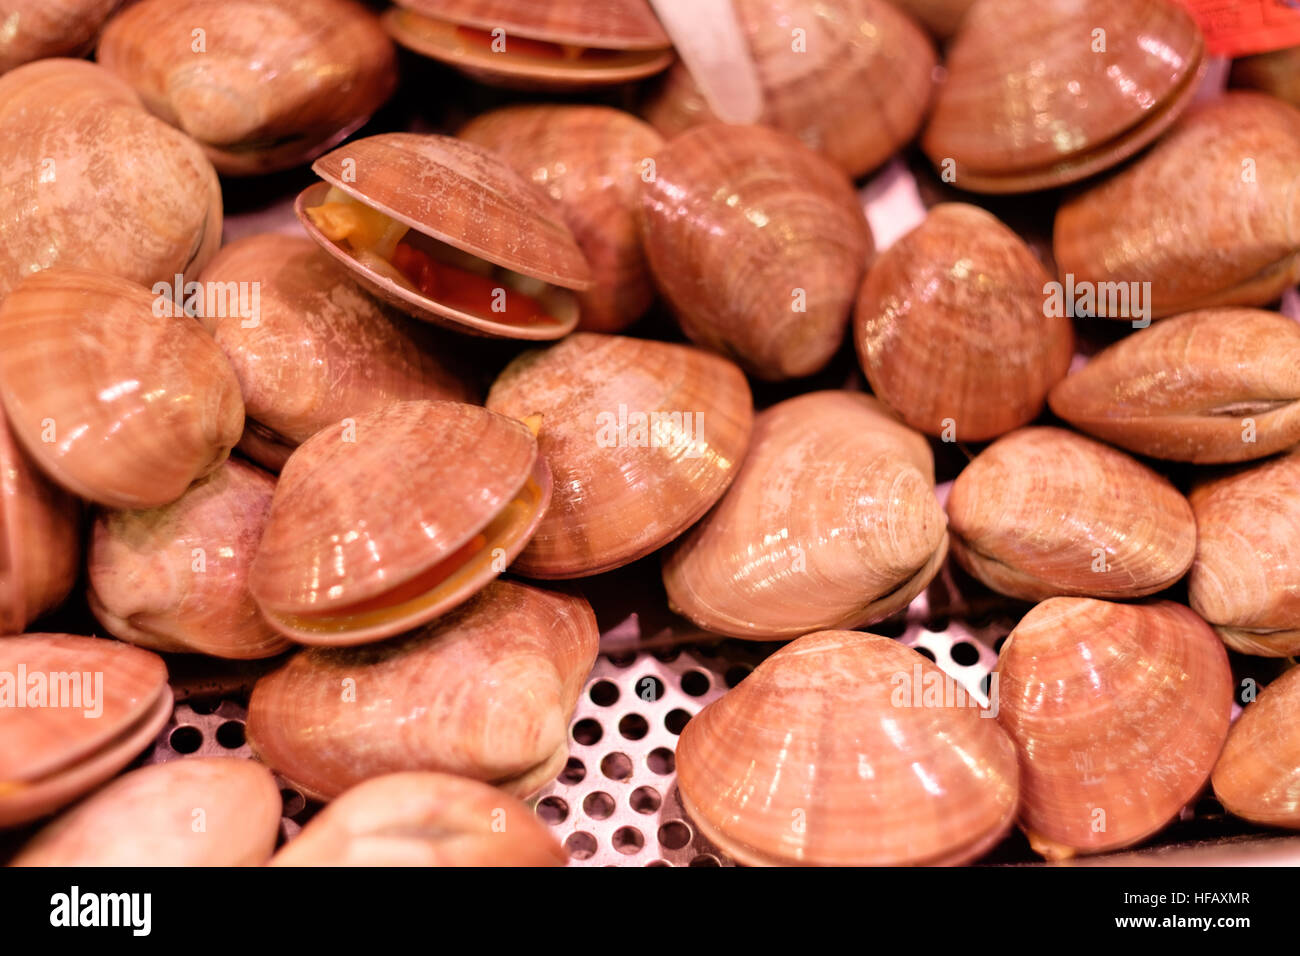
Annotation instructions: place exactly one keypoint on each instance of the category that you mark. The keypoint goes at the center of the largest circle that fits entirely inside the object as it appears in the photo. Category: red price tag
(1241, 27)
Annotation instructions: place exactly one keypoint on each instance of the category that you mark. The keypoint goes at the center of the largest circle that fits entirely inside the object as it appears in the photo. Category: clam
(446, 231)
(547, 44)
(831, 522)
(204, 811)
(36, 29)
(95, 182)
(316, 348)
(642, 438)
(268, 85)
(847, 749)
(40, 539)
(423, 819)
(486, 692)
(1118, 712)
(119, 400)
(73, 712)
(591, 160)
(1246, 578)
(758, 244)
(951, 327)
(1206, 218)
(1276, 73)
(1258, 773)
(849, 78)
(382, 522)
(1043, 512)
(1042, 94)
(940, 17)
(175, 578)
(1214, 386)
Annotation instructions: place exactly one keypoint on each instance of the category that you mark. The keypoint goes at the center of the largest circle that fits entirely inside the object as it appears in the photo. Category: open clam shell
(175, 578)
(36, 29)
(1118, 712)
(486, 693)
(847, 749)
(1258, 773)
(76, 710)
(1043, 512)
(423, 819)
(483, 251)
(642, 438)
(831, 522)
(1214, 386)
(272, 82)
(1043, 94)
(757, 243)
(545, 44)
(117, 396)
(1246, 578)
(152, 817)
(386, 520)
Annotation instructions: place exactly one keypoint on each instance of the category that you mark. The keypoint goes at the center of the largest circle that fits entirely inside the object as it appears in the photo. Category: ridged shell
(757, 243)
(831, 522)
(1036, 98)
(951, 328)
(319, 348)
(459, 194)
(1215, 386)
(275, 83)
(854, 86)
(1118, 712)
(118, 401)
(93, 181)
(148, 818)
(1043, 512)
(590, 159)
(423, 819)
(175, 578)
(1246, 579)
(382, 522)
(827, 755)
(486, 692)
(1258, 773)
(51, 755)
(1207, 217)
(40, 538)
(1276, 73)
(35, 29)
(623, 491)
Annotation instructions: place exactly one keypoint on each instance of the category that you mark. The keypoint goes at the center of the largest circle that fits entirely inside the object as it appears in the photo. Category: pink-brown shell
(1258, 773)
(36, 29)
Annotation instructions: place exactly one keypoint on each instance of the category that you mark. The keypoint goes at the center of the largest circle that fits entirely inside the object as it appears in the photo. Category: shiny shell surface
(1258, 774)
(36, 29)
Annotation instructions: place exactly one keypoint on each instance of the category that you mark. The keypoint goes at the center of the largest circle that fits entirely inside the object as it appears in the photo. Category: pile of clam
(503, 336)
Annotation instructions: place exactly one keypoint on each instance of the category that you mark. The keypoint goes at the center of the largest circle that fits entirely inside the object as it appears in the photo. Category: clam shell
(486, 693)
(940, 17)
(1031, 101)
(95, 182)
(1258, 773)
(589, 159)
(854, 86)
(275, 83)
(423, 819)
(1207, 217)
(1118, 712)
(151, 817)
(624, 488)
(459, 194)
(1219, 385)
(757, 243)
(368, 511)
(115, 399)
(53, 754)
(821, 757)
(319, 348)
(951, 329)
(1043, 512)
(40, 539)
(175, 578)
(1246, 578)
(36, 29)
(850, 491)
(1276, 73)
